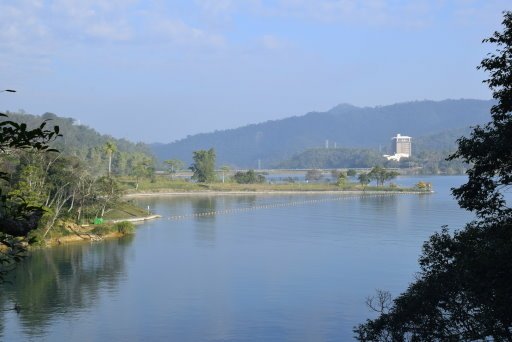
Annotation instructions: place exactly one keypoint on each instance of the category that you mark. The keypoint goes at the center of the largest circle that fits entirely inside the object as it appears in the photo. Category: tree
(15, 136)
(488, 148)
(110, 148)
(364, 179)
(204, 166)
(108, 194)
(121, 163)
(141, 167)
(174, 165)
(342, 179)
(463, 291)
(381, 175)
(248, 177)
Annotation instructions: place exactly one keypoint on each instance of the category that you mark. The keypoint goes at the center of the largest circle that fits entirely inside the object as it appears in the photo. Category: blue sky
(157, 71)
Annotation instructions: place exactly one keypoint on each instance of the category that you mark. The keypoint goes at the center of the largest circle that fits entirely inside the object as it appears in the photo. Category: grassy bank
(165, 185)
(125, 210)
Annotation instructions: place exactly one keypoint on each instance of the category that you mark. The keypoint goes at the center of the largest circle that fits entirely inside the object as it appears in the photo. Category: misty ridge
(434, 126)
(355, 136)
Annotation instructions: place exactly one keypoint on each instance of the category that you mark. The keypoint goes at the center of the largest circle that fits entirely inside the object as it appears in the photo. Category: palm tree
(110, 148)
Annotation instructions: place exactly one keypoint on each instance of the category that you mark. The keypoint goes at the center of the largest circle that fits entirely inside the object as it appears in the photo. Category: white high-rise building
(401, 144)
(401, 147)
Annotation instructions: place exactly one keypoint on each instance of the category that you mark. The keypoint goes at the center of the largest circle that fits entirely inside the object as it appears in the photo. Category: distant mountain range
(432, 124)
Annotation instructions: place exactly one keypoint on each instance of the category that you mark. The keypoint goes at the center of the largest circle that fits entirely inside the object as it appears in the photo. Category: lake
(263, 268)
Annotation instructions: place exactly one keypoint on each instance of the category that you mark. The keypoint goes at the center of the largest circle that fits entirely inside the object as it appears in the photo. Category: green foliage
(381, 175)
(110, 148)
(86, 144)
(142, 167)
(18, 136)
(103, 229)
(364, 179)
(204, 166)
(36, 237)
(107, 194)
(248, 177)
(173, 166)
(12, 250)
(125, 227)
(425, 160)
(321, 158)
(342, 179)
(351, 173)
(463, 291)
(489, 148)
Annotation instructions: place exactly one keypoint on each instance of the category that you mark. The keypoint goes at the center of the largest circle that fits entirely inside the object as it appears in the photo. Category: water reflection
(294, 267)
(204, 205)
(63, 280)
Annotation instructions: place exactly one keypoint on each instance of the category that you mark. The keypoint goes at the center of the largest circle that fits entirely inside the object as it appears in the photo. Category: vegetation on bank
(182, 186)
(51, 183)
(463, 290)
(252, 182)
(68, 232)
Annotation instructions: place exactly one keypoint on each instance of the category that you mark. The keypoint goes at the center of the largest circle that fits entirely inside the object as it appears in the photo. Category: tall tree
(463, 290)
(204, 166)
(488, 148)
(110, 148)
(15, 136)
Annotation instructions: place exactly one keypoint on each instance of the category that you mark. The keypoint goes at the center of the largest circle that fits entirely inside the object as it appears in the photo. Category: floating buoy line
(282, 205)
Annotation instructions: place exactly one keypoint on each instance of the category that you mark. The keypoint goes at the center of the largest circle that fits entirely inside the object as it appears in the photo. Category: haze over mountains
(432, 123)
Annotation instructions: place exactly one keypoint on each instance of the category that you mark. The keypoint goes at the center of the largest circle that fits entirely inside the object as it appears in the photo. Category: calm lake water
(265, 271)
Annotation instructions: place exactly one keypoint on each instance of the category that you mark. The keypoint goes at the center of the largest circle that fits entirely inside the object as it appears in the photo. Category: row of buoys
(280, 205)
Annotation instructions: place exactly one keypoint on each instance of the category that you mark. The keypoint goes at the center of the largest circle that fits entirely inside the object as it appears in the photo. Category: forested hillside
(88, 145)
(333, 158)
(346, 126)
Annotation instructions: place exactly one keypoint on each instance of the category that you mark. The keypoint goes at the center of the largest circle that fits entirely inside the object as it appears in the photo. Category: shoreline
(136, 219)
(271, 192)
(86, 236)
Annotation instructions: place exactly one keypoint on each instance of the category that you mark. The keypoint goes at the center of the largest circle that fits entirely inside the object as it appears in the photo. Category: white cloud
(106, 20)
(25, 39)
(178, 32)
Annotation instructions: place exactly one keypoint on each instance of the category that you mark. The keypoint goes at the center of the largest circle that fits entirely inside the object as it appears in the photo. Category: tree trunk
(109, 163)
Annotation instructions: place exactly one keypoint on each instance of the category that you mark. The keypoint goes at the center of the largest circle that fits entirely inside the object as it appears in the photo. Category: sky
(158, 71)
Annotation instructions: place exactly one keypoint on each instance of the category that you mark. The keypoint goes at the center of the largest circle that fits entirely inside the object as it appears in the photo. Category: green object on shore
(97, 220)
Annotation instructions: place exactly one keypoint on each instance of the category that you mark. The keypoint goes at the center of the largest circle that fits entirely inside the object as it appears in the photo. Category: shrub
(35, 237)
(125, 227)
(102, 229)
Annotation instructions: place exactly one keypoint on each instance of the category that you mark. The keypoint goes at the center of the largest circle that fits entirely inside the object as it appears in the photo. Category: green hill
(86, 143)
